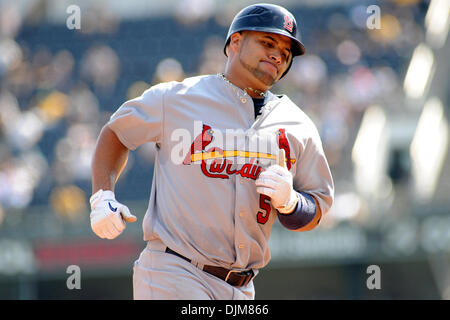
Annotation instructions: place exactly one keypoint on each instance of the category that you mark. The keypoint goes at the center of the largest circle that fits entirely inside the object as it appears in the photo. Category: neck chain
(243, 98)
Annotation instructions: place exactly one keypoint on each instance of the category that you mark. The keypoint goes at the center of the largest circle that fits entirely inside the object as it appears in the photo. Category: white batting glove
(276, 182)
(108, 215)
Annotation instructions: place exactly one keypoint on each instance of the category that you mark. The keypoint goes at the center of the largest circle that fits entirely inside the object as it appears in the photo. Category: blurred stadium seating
(59, 87)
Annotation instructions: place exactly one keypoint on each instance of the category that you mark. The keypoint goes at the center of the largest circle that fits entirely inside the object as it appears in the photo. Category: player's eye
(267, 44)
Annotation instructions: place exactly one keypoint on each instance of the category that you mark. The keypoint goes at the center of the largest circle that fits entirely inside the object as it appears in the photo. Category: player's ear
(235, 42)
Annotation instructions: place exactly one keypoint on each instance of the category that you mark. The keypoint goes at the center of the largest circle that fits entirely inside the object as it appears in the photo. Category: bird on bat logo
(283, 143)
(200, 143)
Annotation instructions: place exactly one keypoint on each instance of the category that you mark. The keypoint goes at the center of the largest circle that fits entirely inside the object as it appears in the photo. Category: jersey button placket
(241, 206)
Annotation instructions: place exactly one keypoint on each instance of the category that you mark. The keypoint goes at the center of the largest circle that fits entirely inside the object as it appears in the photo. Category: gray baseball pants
(158, 275)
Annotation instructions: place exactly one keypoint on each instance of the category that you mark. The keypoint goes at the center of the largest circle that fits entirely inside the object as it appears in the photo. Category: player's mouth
(270, 66)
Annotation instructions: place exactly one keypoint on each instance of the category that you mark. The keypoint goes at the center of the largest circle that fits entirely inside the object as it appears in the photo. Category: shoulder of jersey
(294, 111)
(185, 84)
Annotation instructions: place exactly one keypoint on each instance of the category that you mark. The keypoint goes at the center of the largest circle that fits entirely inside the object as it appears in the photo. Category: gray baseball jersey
(203, 201)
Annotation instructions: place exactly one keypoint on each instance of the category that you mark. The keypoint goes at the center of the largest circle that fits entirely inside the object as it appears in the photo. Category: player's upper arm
(139, 120)
(313, 174)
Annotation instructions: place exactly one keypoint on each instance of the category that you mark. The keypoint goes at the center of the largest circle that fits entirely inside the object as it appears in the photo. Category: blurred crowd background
(378, 95)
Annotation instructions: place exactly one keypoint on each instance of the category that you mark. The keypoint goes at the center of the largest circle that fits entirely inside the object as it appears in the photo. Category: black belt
(235, 278)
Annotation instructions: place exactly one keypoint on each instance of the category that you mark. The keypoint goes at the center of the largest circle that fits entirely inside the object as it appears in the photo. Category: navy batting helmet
(268, 18)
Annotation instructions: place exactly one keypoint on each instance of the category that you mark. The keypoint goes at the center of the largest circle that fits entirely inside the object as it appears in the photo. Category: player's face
(265, 55)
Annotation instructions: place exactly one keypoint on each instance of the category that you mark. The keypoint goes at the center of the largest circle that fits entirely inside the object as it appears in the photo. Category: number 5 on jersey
(264, 205)
(264, 201)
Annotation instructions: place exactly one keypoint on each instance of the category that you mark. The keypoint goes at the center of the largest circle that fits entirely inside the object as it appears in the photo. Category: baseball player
(248, 158)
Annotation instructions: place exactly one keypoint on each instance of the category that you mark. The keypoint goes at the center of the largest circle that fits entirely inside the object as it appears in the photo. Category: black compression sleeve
(302, 215)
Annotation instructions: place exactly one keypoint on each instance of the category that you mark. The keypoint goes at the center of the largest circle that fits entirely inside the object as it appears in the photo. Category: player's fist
(276, 182)
(108, 215)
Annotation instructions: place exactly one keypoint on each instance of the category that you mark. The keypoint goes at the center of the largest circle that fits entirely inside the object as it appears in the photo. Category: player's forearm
(109, 160)
(305, 216)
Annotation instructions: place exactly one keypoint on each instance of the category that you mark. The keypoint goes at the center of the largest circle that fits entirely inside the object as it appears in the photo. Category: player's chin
(268, 78)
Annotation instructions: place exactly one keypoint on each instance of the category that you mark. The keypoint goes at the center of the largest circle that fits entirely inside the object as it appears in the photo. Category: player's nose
(276, 58)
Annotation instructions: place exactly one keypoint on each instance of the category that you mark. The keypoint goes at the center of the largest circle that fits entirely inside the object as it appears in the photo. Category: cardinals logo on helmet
(288, 23)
